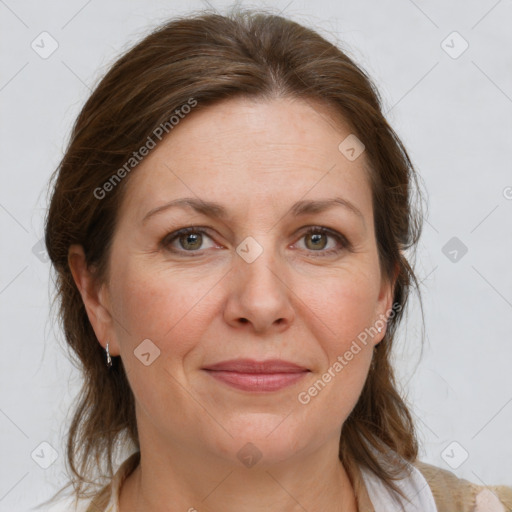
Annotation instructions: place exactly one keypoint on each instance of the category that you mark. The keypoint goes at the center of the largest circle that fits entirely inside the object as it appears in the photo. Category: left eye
(191, 239)
(317, 240)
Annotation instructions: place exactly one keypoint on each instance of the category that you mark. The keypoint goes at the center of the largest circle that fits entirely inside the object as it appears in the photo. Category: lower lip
(257, 381)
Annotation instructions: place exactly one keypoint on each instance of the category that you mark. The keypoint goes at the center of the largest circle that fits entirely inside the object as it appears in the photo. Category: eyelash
(342, 240)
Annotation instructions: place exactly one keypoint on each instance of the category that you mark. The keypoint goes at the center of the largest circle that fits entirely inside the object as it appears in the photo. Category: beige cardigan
(451, 494)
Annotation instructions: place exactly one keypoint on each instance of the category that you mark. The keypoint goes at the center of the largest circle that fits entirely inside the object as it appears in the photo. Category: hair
(209, 57)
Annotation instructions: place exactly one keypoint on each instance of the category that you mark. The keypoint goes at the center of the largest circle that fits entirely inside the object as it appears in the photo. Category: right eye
(189, 239)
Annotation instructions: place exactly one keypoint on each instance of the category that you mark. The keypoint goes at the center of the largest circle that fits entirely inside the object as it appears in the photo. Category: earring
(109, 359)
(372, 363)
(379, 329)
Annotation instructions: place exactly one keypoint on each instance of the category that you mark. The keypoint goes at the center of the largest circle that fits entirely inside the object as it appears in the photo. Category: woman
(228, 227)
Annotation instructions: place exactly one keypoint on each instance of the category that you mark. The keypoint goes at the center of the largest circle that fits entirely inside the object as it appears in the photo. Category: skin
(257, 158)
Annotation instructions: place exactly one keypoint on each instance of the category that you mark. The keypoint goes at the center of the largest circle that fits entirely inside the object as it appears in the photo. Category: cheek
(163, 307)
(160, 305)
(344, 310)
(346, 305)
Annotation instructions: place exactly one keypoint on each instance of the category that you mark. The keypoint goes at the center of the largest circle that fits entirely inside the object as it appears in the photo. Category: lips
(251, 375)
(251, 366)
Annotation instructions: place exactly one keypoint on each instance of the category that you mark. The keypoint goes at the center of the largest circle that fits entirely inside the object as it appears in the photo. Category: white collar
(414, 486)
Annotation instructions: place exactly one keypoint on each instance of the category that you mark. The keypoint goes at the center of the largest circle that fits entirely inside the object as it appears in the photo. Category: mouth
(257, 376)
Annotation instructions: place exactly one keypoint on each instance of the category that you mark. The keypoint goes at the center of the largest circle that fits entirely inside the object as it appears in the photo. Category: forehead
(254, 154)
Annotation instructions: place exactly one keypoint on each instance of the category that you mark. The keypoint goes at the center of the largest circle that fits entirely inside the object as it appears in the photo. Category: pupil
(316, 238)
(191, 239)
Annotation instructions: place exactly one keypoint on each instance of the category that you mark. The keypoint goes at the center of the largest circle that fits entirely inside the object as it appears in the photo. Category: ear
(385, 303)
(95, 297)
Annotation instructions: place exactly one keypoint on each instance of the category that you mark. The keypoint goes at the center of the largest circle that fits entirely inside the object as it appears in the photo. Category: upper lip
(252, 366)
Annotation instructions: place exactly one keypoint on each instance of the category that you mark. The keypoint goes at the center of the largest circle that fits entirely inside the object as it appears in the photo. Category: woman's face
(255, 279)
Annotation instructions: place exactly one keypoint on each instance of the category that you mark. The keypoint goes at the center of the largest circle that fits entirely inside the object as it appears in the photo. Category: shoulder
(454, 494)
(96, 504)
(107, 500)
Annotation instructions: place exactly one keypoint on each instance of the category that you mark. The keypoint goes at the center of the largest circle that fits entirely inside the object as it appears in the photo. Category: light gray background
(454, 116)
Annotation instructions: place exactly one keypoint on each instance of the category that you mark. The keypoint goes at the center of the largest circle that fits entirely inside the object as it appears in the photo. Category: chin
(262, 440)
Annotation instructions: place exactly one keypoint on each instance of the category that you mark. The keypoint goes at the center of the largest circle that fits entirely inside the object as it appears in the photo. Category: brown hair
(210, 57)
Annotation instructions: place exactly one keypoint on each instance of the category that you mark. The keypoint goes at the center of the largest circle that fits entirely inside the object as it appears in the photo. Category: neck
(182, 480)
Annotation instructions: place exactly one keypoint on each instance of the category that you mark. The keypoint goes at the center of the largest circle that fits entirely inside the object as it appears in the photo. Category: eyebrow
(216, 210)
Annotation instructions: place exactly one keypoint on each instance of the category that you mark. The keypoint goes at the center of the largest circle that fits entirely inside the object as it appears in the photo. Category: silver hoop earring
(109, 359)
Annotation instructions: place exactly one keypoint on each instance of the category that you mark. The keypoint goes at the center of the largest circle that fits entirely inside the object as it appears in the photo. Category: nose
(259, 297)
